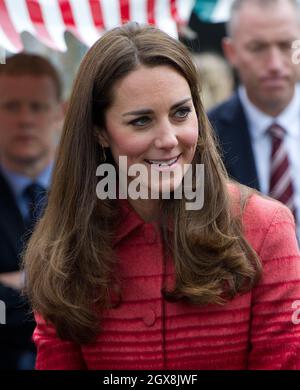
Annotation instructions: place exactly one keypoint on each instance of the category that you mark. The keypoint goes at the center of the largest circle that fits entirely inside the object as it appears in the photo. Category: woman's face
(152, 121)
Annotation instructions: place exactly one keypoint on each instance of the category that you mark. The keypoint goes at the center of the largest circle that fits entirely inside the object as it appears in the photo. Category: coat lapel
(11, 221)
(235, 141)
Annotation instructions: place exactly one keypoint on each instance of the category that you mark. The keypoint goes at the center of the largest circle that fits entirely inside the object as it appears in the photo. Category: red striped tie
(281, 185)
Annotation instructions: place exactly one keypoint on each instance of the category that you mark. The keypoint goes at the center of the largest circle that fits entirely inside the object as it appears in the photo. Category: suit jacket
(253, 331)
(230, 124)
(17, 331)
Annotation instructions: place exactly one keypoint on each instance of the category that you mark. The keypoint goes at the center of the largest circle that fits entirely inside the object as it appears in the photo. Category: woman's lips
(163, 164)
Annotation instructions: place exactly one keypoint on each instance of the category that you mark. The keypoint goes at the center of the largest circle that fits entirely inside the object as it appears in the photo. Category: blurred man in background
(30, 120)
(259, 127)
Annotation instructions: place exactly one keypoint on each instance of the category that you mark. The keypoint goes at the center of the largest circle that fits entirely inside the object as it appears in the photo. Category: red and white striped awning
(86, 19)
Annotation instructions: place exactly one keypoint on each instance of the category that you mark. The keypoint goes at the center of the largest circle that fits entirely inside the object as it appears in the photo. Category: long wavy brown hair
(70, 261)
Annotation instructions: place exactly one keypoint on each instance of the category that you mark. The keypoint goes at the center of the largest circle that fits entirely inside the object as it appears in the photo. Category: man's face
(29, 118)
(260, 50)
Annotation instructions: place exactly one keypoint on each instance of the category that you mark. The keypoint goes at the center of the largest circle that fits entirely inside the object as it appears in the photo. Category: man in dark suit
(259, 46)
(30, 116)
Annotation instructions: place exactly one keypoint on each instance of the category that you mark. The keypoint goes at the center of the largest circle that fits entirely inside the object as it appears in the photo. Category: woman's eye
(142, 121)
(182, 112)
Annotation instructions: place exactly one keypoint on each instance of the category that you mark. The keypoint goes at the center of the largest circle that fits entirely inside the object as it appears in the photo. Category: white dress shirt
(258, 123)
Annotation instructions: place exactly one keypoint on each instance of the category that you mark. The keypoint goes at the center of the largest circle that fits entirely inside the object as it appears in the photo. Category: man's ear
(61, 110)
(64, 107)
(58, 118)
(229, 50)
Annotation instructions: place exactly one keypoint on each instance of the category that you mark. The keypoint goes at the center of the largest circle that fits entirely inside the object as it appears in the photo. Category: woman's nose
(166, 137)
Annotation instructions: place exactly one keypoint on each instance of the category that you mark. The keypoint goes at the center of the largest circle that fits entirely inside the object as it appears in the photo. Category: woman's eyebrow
(145, 111)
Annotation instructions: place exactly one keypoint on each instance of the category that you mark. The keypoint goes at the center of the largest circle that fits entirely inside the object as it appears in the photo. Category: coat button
(149, 234)
(149, 317)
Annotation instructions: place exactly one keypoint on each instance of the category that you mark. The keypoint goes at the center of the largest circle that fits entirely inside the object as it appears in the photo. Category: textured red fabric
(253, 331)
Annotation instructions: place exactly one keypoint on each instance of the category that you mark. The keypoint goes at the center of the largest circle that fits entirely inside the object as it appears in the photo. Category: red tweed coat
(257, 330)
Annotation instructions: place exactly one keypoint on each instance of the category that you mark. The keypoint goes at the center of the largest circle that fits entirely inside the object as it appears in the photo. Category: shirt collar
(289, 118)
(19, 182)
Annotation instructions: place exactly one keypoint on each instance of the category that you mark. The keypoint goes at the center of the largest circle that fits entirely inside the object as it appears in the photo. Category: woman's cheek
(191, 136)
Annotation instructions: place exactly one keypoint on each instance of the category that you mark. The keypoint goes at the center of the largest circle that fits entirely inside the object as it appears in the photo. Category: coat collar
(129, 221)
(11, 221)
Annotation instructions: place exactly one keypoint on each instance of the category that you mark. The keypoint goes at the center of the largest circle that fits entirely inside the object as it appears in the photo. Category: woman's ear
(101, 136)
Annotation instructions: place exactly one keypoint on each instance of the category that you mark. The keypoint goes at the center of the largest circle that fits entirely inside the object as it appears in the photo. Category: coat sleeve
(275, 323)
(54, 353)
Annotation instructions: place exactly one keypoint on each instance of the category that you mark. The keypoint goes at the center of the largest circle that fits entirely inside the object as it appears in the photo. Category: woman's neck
(147, 209)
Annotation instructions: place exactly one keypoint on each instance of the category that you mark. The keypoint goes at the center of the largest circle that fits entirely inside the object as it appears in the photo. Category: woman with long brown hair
(148, 282)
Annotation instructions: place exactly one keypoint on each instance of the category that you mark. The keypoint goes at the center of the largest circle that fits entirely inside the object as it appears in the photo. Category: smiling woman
(156, 128)
(138, 283)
